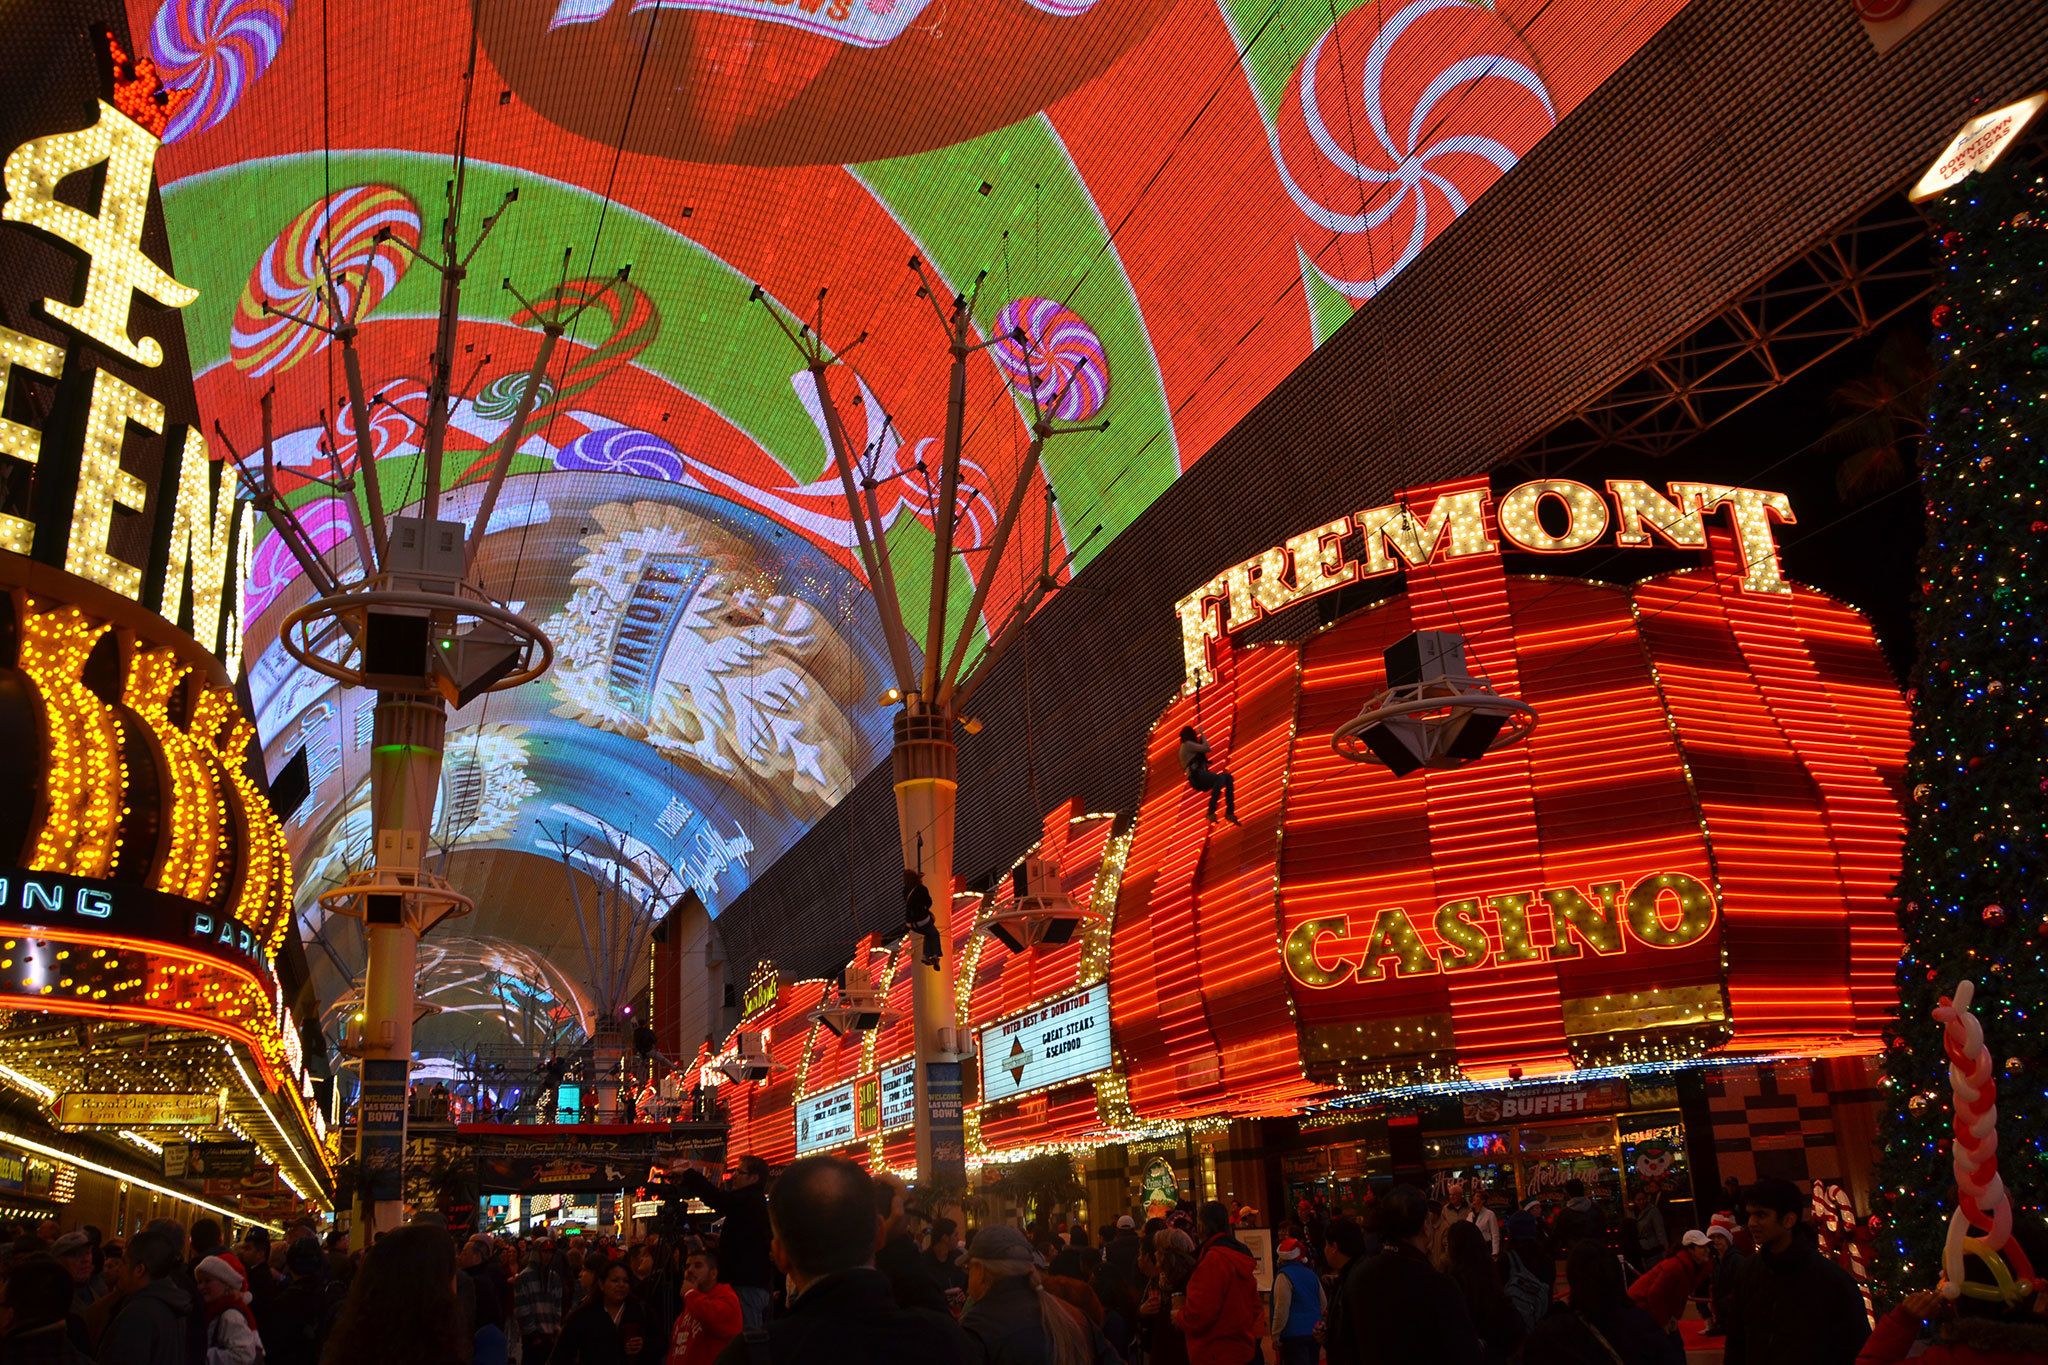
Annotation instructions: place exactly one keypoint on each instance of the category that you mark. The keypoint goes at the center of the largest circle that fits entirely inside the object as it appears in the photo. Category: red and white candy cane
(1981, 1199)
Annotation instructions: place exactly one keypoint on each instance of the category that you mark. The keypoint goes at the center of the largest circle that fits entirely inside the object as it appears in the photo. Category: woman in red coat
(1222, 1316)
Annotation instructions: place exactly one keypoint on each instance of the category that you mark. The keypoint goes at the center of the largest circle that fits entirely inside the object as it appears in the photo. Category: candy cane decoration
(1981, 1199)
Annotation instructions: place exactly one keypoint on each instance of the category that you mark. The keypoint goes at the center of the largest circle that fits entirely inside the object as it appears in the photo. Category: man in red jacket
(1665, 1288)
(1221, 1318)
(711, 1313)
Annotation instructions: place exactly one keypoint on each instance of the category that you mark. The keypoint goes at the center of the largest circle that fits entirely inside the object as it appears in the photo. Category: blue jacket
(1305, 1308)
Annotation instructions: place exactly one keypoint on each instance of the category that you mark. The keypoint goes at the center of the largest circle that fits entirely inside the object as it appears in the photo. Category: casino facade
(1649, 947)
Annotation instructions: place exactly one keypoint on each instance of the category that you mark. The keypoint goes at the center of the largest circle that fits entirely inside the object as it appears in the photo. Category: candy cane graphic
(1981, 1199)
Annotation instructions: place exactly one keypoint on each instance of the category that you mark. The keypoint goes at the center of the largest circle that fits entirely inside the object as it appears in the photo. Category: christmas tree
(1973, 889)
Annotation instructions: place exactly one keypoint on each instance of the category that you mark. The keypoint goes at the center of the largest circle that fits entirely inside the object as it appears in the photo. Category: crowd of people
(834, 1266)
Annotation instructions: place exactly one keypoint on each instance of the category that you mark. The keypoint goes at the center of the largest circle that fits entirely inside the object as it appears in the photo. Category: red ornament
(1942, 313)
(1994, 914)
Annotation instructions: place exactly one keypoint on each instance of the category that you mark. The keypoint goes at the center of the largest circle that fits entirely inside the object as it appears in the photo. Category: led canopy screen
(673, 518)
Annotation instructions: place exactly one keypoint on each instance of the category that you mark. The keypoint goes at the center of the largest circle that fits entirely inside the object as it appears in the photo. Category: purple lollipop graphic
(216, 49)
(1060, 361)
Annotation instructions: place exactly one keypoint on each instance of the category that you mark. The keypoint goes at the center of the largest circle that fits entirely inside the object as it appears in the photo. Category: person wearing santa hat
(1297, 1306)
(230, 1323)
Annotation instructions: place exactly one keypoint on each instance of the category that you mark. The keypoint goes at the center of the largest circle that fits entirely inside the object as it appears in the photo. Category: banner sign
(88, 1109)
(1546, 1101)
(218, 1160)
(1062, 1041)
(825, 1120)
(575, 1164)
(948, 1125)
(380, 1113)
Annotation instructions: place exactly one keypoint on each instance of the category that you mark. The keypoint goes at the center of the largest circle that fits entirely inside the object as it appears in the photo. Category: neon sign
(1665, 910)
(762, 988)
(207, 531)
(1455, 525)
(41, 900)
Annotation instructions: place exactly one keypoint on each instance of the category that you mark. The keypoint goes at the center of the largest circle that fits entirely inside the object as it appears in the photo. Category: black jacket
(1398, 1310)
(743, 1243)
(590, 1337)
(1628, 1335)
(1007, 1328)
(296, 1324)
(149, 1327)
(1339, 1341)
(49, 1345)
(910, 1275)
(852, 1319)
(1799, 1307)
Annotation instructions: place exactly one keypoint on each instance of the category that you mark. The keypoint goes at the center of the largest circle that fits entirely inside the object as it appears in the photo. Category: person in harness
(1194, 757)
(917, 916)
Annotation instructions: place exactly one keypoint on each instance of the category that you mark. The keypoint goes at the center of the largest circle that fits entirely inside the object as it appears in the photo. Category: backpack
(1527, 1291)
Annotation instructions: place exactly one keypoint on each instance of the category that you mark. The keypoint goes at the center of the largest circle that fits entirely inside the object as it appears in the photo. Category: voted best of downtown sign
(1055, 1043)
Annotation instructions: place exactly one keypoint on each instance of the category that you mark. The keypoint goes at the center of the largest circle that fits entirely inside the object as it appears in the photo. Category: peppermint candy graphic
(623, 450)
(216, 49)
(500, 398)
(1395, 122)
(1060, 362)
(289, 277)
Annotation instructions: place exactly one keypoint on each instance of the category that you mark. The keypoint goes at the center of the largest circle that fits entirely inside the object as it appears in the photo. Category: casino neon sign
(1663, 910)
(1455, 526)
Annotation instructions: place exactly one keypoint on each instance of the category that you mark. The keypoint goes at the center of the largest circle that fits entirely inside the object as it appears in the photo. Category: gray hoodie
(149, 1327)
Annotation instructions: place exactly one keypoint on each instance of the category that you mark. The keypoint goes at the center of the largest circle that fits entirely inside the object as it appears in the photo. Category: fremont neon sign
(1458, 526)
(1664, 910)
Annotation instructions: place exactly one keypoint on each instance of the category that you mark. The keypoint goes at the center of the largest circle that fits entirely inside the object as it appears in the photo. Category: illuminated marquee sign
(81, 1109)
(1055, 1043)
(1667, 910)
(72, 525)
(825, 1120)
(899, 1094)
(82, 904)
(1546, 516)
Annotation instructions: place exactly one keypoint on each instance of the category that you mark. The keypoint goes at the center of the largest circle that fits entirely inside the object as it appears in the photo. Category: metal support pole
(405, 776)
(924, 766)
(949, 492)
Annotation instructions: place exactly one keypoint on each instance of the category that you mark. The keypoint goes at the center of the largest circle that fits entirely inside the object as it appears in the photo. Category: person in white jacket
(231, 1328)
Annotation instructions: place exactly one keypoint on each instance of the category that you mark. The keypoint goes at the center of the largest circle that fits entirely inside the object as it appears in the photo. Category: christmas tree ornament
(1994, 914)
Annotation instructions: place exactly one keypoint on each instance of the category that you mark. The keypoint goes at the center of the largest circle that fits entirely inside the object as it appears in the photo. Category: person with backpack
(1298, 1306)
(1528, 1274)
